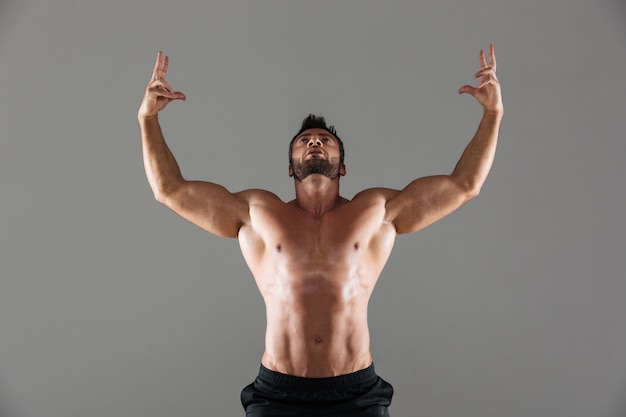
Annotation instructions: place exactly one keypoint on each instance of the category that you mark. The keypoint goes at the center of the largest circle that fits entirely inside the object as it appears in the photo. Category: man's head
(317, 122)
(316, 149)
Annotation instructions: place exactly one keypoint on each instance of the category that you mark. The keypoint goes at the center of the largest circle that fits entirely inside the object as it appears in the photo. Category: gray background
(110, 305)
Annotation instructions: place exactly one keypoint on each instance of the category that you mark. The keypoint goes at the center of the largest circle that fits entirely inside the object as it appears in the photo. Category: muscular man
(317, 258)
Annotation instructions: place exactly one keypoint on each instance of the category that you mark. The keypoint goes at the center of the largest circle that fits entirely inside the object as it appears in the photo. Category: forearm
(473, 167)
(161, 168)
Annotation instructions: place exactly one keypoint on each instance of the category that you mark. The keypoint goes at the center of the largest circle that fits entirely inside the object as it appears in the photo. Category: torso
(316, 275)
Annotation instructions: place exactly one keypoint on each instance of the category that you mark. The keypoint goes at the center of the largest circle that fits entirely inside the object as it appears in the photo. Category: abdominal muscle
(316, 325)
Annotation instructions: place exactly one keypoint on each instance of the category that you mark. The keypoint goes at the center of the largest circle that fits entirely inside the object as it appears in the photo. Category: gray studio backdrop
(111, 305)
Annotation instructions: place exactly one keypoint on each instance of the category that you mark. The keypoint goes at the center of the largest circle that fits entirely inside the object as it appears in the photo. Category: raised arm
(205, 204)
(428, 199)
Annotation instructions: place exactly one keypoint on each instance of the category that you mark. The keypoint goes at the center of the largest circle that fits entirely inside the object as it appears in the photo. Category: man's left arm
(428, 199)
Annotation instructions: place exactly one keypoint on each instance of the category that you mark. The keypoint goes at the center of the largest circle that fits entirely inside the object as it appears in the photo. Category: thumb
(467, 89)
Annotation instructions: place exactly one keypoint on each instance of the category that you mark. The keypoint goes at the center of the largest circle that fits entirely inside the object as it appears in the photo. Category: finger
(155, 71)
(492, 56)
(485, 72)
(484, 83)
(158, 90)
(467, 89)
(166, 85)
(177, 95)
(487, 80)
(483, 60)
(166, 64)
(161, 64)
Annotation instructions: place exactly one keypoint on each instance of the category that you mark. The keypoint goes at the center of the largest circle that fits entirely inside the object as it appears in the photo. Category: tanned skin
(316, 259)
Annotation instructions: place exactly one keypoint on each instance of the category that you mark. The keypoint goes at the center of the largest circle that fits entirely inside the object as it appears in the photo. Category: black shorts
(362, 393)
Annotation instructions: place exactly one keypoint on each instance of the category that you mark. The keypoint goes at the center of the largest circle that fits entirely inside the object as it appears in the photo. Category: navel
(318, 339)
(278, 247)
(356, 245)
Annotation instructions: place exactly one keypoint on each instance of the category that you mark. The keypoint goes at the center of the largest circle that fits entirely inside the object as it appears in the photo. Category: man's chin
(302, 176)
(315, 166)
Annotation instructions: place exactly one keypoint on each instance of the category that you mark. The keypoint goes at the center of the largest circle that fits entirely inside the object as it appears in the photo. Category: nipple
(318, 339)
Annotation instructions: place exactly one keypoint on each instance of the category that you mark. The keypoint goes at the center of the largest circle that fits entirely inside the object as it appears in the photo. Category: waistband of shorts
(364, 376)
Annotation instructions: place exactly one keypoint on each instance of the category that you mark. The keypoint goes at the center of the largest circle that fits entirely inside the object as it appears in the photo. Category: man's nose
(314, 142)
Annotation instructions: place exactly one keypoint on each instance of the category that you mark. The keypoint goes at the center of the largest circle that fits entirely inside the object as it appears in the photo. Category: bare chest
(286, 240)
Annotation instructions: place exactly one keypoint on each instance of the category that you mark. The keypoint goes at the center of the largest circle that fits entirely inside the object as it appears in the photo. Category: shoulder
(371, 199)
(257, 196)
(378, 194)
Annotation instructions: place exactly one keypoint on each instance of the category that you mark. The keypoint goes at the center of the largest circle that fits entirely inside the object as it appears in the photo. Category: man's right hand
(158, 92)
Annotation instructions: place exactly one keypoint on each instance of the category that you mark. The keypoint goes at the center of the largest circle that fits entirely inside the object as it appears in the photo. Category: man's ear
(342, 169)
(290, 170)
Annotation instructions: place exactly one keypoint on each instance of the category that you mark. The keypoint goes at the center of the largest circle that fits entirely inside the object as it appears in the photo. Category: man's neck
(318, 194)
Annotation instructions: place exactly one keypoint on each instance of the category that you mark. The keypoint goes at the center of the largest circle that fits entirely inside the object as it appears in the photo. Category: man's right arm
(209, 206)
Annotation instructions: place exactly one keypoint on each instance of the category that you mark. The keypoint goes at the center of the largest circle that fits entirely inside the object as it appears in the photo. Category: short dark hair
(317, 122)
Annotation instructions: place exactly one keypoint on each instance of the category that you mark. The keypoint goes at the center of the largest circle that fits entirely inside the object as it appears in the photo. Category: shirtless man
(316, 259)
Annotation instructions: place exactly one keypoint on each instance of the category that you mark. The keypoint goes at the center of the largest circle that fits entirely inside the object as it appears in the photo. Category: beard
(328, 168)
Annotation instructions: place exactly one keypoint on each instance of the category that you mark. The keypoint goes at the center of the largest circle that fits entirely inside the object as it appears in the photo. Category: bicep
(209, 206)
(424, 201)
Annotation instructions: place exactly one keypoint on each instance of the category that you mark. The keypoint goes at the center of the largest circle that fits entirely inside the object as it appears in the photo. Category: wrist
(146, 117)
(494, 113)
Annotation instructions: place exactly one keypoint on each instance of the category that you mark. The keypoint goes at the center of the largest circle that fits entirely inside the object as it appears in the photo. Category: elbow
(160, 197)
(468, 188)
(163, 195)
(472, 192)
(164, 188)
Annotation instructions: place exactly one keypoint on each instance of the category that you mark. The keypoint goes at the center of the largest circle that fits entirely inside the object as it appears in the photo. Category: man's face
(315, 151)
